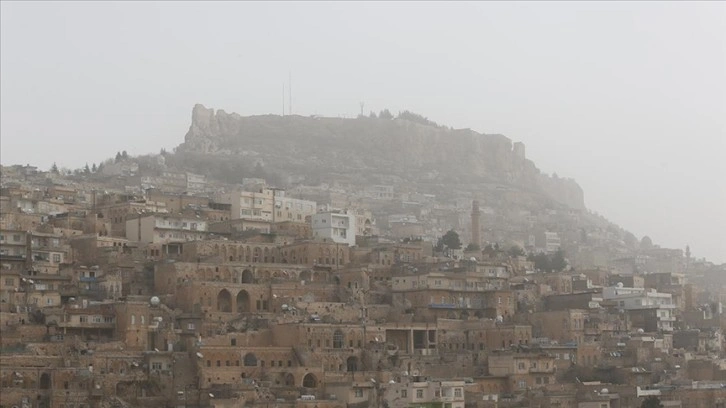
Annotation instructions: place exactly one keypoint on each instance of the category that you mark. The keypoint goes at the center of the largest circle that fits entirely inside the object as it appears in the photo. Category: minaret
(475, 237)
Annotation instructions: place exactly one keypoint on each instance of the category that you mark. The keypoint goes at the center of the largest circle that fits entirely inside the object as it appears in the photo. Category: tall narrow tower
(475, 232)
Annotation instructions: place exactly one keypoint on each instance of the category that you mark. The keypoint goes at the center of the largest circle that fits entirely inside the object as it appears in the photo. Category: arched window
(133, 320)
(338, 339)
(309, 381)
(250, 360)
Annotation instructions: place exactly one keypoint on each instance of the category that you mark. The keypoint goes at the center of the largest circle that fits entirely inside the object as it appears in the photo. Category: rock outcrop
(297, 145)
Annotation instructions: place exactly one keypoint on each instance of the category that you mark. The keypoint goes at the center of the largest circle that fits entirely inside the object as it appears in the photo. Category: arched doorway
(45, 381)
(250, 360)
(248, 276)
(289, 380)
(352, 364)
(224, 301)
(309, 381)
(243, 302)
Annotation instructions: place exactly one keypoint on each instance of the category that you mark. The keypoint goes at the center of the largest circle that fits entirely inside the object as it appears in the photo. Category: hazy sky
(627, 98)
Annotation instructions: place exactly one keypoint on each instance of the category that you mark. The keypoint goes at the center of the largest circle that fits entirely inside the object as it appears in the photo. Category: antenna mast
(289, 90)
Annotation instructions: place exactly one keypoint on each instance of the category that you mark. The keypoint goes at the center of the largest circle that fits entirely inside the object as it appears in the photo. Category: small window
(419, 393)
(359, 393)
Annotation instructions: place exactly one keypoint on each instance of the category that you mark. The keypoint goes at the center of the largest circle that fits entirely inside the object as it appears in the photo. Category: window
(520, 365)
(10, 281)
(191, 326)
(359, 393)
(156, 366)
(457, 392)
(419, 393)
(404, 393)
(83, 319)
(522, 384)
(56, 258)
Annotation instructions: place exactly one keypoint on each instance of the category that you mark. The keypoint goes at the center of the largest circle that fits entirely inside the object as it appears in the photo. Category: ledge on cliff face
(398, 146)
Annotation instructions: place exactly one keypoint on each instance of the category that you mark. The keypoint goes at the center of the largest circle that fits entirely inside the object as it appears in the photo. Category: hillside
(310, 148)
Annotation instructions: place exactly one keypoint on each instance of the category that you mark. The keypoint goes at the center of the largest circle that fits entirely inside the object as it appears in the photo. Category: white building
(640, 298)
(336, 226)
(293, 209)
(259, 206)
(165, 229)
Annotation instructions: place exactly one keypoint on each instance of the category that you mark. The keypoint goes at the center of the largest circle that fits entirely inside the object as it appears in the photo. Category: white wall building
(338, 227)
(165, 229)
(640, 298)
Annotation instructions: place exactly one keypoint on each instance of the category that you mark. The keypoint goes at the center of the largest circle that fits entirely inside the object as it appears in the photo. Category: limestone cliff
(403, 148)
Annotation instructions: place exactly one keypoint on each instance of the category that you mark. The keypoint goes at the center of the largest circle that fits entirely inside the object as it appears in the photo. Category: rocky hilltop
(399, 147)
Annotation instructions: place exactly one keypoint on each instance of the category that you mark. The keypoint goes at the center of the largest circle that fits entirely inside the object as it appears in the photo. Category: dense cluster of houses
(186, 293)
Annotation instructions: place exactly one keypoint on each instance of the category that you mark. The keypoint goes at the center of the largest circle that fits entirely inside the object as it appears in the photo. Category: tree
(118, 157)
(385, 114)
(372, 115)
(54, 168)
(86, 169)
(472, 247)
(94, 168)
(490, 249)
(515, 251)
(651, 402)
(450, 240)
(541, 261)
(124, 155)
(557, 261)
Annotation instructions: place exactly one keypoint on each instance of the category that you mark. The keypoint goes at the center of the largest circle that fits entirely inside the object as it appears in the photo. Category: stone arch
(248, 276)
(45, 381)
(256, 254)
(250, 360)
(305, 275)
(224, 301)
(351, 364)
(289, 380)
(338, 339)
(243, 302)
(310, 381)
(267, 254)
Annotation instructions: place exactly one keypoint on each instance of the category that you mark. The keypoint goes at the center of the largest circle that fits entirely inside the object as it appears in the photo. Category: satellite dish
(604, 391)
(619, 285)
(200, 355)
(155, 301)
